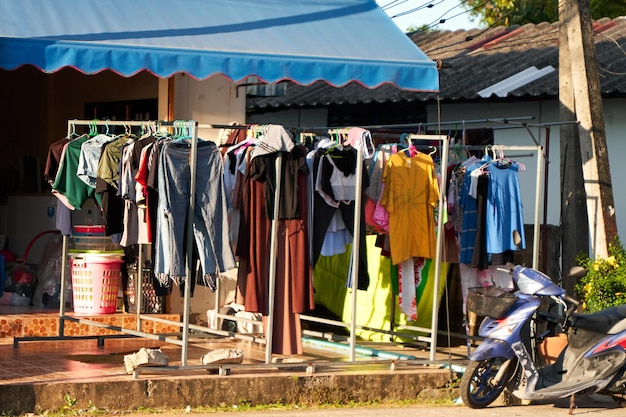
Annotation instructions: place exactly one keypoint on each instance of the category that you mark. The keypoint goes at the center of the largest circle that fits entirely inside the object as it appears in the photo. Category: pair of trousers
(210, 223)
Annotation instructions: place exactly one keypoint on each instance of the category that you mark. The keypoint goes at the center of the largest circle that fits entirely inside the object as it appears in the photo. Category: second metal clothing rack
(432, 338)
(536, 221)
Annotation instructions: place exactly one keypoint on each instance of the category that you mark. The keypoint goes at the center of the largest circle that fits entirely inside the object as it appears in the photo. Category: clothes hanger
(146, 130)
(410, 150)
(107, 132)
(337, 142)
(73, 135)
(183, 131)
(93, 128)
(503, 159)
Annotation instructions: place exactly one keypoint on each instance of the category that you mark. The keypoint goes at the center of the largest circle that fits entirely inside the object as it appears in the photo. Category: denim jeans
(210, 223)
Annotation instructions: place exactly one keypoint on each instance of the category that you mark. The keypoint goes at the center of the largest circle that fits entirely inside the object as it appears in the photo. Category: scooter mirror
(576, 272)
(517, 238)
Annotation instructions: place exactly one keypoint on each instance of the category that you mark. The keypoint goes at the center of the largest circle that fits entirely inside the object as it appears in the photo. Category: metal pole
(269, 332)
(439, 237)
(440, 232)
(539, 186)
(193, 157)
(139, 288)
(356, 248)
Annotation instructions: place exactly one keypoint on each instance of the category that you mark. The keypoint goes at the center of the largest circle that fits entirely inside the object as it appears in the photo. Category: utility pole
(574, 240)
(575, 15)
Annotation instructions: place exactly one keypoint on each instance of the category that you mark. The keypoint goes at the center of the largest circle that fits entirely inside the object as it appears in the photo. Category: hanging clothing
(294, 286)
(147, 197)
(480, 258)
(337, 237)
(410, 195)
(107, 186)
(344, 160)
(53, 161)
(136, 228)
(492, 210)
(210, 226)
(67, 187)
(469, 206)
(409, 279)
(504, 209)
(89, 158)
(108, 165)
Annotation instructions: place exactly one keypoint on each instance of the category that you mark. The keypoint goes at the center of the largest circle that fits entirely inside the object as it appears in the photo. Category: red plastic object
(33, 240)
(95, 284)
(8, 255)
(86, 230)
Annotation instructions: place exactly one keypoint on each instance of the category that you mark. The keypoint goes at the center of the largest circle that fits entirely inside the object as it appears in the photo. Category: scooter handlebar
(571, 300)
(573, 305)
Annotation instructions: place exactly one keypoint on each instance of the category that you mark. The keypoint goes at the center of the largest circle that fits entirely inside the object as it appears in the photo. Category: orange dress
(410, 196)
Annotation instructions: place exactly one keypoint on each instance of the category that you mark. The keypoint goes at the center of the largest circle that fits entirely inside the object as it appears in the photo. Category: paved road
(592, 406)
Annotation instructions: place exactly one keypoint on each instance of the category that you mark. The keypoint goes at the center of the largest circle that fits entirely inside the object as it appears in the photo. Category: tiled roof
(474, 60)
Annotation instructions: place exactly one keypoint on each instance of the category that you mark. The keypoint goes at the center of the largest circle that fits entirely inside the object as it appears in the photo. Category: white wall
(547, 112)
(213, 101)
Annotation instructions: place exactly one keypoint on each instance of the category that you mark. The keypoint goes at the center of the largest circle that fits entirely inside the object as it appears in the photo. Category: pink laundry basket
(95, 283)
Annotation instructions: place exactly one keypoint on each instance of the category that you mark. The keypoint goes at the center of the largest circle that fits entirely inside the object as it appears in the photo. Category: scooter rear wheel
(478, 389)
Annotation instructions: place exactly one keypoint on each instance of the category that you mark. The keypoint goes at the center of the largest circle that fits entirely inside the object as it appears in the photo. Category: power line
(472, 37)
(430, 4)
(441, 18)
(529, 40)
(392, 4)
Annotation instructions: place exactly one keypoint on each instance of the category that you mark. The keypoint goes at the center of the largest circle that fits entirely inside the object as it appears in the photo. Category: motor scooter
(593, 361)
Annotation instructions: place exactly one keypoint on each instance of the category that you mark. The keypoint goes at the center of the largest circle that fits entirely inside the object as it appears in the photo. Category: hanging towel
(275, 139)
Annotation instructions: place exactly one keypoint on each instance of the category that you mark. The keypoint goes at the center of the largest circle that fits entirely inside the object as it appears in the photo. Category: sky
(405, 13)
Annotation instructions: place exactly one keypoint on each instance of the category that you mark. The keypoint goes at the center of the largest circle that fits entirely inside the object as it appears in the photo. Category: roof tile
(475, 59)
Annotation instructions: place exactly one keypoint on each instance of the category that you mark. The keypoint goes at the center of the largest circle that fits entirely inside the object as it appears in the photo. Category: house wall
(37, 107)
(215, 101)
(528, 112)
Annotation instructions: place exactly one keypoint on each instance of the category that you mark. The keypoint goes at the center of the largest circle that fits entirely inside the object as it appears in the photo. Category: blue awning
(338, 41)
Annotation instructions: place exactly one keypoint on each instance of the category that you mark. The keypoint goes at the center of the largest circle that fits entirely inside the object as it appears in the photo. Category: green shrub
(604, 284)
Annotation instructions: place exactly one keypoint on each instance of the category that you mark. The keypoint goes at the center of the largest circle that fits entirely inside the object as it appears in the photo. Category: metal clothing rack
(354, 270)
(432, 340)
(433, 331)
(193, 127)
(444, 140)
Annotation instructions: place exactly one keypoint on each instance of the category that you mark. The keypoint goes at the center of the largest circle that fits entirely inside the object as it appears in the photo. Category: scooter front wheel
(478, 385)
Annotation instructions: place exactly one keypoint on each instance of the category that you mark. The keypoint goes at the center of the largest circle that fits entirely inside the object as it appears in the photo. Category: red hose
(33, 240)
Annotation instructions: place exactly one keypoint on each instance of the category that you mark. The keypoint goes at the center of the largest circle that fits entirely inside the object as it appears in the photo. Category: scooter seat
(609, 321)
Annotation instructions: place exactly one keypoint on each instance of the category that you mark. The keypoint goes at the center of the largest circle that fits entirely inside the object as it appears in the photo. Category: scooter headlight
(527, 285)
(531, 282)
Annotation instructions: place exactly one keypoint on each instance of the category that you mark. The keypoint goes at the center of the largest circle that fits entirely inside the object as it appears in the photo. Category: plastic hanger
(73, 134)
(93, 128)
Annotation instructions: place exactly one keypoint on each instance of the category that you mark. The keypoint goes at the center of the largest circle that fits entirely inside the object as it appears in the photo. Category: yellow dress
(410, 196)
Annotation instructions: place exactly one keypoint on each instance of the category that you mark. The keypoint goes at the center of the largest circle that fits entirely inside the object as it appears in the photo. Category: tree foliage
(512, 12)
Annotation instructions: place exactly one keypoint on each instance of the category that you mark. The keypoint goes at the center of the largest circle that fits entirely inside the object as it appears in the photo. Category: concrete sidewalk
(45, 375)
